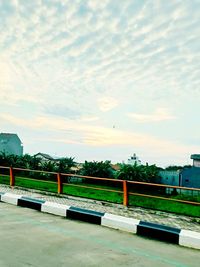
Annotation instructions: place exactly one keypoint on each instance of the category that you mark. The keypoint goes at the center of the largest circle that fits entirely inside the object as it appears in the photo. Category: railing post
(12, 177)
(59, 183)
(125, 190)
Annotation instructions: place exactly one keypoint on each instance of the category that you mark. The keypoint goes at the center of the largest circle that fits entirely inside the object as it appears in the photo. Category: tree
(4, 159)
(49, 166)
(132, 173)
(152, 173)
(97, 169)
(140, 173)
(173, 168)
(65, 164)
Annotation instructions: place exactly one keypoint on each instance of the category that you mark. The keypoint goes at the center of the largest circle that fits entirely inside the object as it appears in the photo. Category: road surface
(31, 238)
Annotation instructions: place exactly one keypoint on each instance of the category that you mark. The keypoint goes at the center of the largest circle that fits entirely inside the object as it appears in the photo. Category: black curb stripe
(1, 194)
(159, 232)
(84, 215)
(31, 203)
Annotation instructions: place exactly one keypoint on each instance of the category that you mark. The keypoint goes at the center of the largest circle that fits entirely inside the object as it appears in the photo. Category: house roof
(195, 156)
(9, 136)
(43, 155)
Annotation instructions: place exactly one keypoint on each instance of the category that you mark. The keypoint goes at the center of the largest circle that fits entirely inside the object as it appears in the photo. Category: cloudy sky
(100, 80)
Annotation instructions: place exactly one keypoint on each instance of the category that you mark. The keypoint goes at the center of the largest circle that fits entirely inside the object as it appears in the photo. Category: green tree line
(143, 173)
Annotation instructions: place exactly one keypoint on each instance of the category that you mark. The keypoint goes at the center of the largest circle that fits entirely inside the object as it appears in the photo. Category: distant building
(10, 144)
(196, 160)
(187, 177)
(190, 177)
(45, 157)
(134, 160)
(170, 177)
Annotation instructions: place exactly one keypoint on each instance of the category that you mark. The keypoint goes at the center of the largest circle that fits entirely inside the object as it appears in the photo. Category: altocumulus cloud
(98, 61)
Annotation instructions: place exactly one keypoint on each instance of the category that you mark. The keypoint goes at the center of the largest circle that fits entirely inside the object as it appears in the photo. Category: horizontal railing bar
(163, 185)
(92, 177)
(4, 167)
(29, 170)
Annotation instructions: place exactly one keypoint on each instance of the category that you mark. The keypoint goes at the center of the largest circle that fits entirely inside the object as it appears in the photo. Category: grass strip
(165, 205)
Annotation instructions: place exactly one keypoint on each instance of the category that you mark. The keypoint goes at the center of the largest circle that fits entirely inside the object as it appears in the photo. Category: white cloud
(107, 103)
(68, 131)
(160, 114)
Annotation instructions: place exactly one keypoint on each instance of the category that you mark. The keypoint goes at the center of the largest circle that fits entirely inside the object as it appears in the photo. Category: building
(45, 157)
(170, 177)
(10, 144)
(196, 160)
(190, 177)
(186, 177)
(134, 160)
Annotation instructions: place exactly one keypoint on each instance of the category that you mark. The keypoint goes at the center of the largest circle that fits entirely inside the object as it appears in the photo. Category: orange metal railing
(124, 184)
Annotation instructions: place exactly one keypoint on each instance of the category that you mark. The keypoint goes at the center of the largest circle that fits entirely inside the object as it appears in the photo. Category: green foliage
(64, 165)
(141, 173)
(49, 166)
(26, 161)
(97, 169)
(176, 168)
(36, 163)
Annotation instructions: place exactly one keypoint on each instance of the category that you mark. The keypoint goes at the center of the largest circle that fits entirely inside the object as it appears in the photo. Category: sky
(101, 80)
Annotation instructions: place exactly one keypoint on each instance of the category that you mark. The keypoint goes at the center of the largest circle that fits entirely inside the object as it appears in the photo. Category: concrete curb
(160, 232)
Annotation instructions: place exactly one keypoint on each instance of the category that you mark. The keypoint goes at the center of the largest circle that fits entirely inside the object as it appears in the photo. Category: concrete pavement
(31, 238)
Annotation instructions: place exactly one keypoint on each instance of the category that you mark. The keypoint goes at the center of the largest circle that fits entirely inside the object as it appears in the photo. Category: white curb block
(54, 208)
(119, 222)
(189, 239)
(10, 198)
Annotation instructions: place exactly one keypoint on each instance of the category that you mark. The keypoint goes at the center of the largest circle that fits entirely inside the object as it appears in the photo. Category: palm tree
(97, 169)
(64, 165)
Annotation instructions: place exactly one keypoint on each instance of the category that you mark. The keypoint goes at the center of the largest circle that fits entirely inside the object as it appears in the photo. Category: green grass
(165, 205)
(93, 194)
(114, 197)
(35, 184)
(5, 180)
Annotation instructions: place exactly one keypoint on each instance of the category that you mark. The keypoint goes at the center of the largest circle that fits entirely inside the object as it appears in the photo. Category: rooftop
(195, 156)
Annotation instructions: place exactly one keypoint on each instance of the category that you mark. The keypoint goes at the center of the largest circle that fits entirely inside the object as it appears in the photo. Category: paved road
(31, 238)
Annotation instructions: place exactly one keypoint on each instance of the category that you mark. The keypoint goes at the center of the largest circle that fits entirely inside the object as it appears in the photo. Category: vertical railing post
(12, 177)
(125, 190)
(59, 183)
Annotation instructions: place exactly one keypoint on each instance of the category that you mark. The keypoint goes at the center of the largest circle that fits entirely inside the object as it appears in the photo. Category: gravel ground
(170, 219)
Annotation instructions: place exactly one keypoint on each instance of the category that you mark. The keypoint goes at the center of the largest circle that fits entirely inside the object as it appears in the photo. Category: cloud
(81, 59)
(62, 111)
(160, 114)
(93, 135)
(107, 103)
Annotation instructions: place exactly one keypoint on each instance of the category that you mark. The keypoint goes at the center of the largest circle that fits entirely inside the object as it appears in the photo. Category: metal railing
(126, 191)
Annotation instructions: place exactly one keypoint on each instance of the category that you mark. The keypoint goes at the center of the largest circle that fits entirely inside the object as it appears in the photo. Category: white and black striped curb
(160, 232)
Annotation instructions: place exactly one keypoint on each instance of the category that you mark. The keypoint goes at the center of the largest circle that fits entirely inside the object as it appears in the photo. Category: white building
(134, 160)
